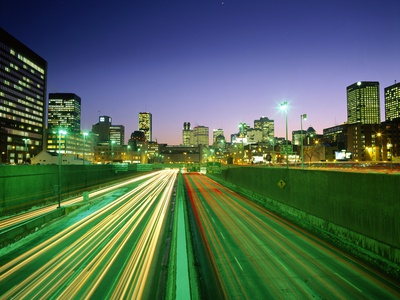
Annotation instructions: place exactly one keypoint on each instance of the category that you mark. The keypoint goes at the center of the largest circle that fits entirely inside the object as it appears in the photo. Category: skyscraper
(145, 125)
(23, 78)
(187, 135)
(392, 102)
(117, 134)
(64, 112)
(363, 104)
(102, 129)
(201, 135)
(267, 127)
(217, 133)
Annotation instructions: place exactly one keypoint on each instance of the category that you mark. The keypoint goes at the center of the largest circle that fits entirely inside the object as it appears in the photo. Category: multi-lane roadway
(257, 255)
(112, 250)
(106, 254)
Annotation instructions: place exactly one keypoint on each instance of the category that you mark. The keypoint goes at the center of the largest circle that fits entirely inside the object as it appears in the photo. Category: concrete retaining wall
(23, 187)
(362, 209)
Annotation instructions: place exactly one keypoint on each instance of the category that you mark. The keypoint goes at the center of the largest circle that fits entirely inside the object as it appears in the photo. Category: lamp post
(302, 117)
(26, 148)
(60, 132)
(112, 151)
(380, 145)
(284, 107)
(85, 134)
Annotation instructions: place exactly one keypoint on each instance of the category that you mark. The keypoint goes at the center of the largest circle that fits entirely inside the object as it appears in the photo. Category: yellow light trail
(80, 269)
(23, 217)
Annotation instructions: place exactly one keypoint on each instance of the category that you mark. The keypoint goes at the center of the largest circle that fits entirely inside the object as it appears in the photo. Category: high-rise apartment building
(145, 125)
(23, 78)
(64, 112)
(267, 127)
(392, 102)
(363, 104)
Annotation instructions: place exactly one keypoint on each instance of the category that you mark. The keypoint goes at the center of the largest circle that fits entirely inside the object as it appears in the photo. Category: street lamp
(380, 145)
(284, 107)
(26, 148)
(60, 132)
(112, 151)
(302, 117)
(85, 134)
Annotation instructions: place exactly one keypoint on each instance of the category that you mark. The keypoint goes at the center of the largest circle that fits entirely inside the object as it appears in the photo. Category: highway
(257, 255)
(108, 253)
(10, 221)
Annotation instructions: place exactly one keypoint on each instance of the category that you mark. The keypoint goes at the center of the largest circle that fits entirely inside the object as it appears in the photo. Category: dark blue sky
(211, 63)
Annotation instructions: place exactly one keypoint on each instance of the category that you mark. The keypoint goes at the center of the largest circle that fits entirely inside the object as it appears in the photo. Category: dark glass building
(64, 112)
(392, 102)
(23, 78)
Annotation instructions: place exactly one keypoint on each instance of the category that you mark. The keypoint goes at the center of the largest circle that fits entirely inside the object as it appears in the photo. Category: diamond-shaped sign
(281, 184)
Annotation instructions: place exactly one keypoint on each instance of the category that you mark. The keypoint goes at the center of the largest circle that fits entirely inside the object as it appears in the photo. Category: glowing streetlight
(112, 151)
(26, 147)
(284, 107)
(60, 132)
(85, 134)
(302, 117)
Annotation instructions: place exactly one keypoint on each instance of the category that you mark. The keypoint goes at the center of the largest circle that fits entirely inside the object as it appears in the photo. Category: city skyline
(216, 64)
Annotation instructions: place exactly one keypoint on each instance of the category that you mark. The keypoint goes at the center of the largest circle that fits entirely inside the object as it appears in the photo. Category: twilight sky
(208, 62)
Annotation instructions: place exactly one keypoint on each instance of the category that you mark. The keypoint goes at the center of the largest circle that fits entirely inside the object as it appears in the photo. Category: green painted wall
(23, 187)
(365, 204)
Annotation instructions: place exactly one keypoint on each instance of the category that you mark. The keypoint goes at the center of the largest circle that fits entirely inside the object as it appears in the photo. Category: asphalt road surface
(257, 255)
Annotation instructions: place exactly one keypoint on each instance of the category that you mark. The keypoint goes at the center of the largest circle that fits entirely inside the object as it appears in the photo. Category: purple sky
(211, 63)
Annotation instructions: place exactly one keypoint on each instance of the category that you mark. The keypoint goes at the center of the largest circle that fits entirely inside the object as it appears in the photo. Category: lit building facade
(201, 135)
(363, 104)
(217, 133)
(392, 102)
(117, 134)
(145, 125)
(267, 127)
(102, 129)
(23, 78)
(64, 112)
(187, 135)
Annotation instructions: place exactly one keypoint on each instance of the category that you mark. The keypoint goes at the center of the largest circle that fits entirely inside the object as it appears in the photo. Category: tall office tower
(267, 127)
(187, 135)
(23, 78)
(243, 127)
(103, 129)
(201, 135)
(217, 133)
(64, 112)
(145, 125)
(392, 102)
(117, 134)
(363, 103)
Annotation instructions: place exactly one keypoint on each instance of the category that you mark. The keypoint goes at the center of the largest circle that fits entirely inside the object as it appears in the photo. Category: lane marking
(213, 220)
(238, 263)
(349, 283)
(279, 233)
(222, 234)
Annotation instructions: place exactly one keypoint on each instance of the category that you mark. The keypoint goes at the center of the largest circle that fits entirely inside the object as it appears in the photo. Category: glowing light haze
(211, 63)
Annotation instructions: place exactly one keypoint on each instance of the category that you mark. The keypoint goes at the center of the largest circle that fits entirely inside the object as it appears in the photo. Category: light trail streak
(277, 259)
(129, 227)
(23, 217)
